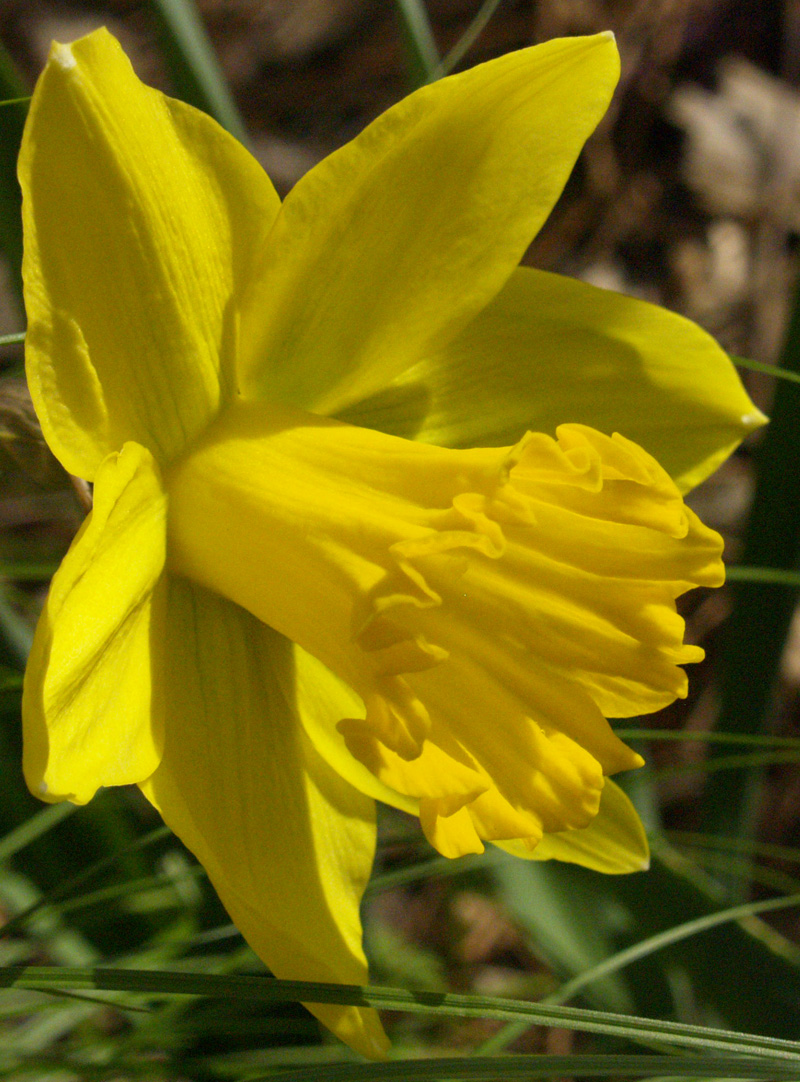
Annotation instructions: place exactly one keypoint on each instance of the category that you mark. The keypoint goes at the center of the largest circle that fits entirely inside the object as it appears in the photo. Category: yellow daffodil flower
(295, 593)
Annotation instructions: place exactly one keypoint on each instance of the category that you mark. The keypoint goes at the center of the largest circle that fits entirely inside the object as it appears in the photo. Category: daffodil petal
(550, 350)
(89, 713)
(614, 842)
(142, 218)
(392, 244)
(287, 843)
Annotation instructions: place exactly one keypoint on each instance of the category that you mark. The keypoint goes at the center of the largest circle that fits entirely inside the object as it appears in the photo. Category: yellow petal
(286, 842)
(550, 350)
(614, 842)
(385, 250)
(534, 586)
(89, 711)
(142, 218)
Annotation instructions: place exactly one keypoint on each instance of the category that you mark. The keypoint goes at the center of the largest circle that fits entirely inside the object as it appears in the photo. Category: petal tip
(63, 56)
(377, 1045)
(607, 39)
(754, 419)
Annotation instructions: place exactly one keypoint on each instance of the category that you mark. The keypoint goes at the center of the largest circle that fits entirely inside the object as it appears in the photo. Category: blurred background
(688, 195)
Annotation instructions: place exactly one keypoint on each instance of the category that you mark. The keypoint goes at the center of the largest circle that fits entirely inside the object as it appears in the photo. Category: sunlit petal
(89, 713)
(142, 219)
(614, 842)
(385, 250)
(550, 350)
(287, 843)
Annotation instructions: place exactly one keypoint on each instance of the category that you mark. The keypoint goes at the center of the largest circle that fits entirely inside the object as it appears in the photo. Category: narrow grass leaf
(129, 888)
(774, 575)
(731, 865)
(50, 900)
(467, 39)
(269, 990)
(421, 53)
(538, 1066)
(697, 736)
(436, 868)
(665, 939)
(194, 68)
(27, 570)
(33, 828)
(767, 369)
(730, 762)
(742, 845)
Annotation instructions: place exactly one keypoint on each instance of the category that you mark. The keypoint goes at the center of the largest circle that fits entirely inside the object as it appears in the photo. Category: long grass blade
(665, 939)
(34, 828)
(697, 736)
(422, 55)
(269, 990)
(766, 369)
(75, 882)
(193, 65)
(741, 845)
(27, 571)
(728, 762)
(467, 39)
(776, 576)
(485, 1068)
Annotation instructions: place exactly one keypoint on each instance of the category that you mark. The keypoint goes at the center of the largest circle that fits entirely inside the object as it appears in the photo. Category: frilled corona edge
(488, 606)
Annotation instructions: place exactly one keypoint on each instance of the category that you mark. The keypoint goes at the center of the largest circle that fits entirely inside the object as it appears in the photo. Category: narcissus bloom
(295, 593)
